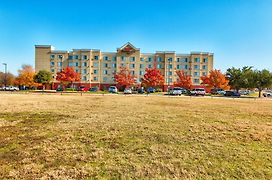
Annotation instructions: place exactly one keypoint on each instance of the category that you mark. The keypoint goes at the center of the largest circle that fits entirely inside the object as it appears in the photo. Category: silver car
(176, 91)
(113, 89)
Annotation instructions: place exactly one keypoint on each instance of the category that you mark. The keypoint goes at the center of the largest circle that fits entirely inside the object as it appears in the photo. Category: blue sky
(238, 32)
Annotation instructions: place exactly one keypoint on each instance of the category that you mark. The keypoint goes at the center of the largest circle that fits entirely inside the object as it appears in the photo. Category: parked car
(232, 94)
(82, 88)
(244, 92)
(10, 88)
(59, 89)
(140, 90)
(127, 91)
(113, 89)
(267, 93)
(218, 91)
(175, 91)
(93, 89)
(198, 91)
(151, 90)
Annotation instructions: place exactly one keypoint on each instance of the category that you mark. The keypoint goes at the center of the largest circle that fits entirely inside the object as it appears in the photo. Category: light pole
(6, 69)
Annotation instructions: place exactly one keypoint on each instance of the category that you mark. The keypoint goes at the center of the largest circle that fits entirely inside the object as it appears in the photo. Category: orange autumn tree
(68, 75)
(124, 78)
(152, 78)
(184, 80)
(215, 79)
(26, 76)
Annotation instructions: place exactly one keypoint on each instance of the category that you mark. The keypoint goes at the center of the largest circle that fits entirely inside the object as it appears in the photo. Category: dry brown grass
(74, 137)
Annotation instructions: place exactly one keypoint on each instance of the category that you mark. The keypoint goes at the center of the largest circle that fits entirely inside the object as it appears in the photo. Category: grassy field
(78, 137)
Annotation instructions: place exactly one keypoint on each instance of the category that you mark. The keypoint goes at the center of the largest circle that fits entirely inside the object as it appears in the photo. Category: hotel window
(132, 59)
(169, 73)
(141, 59)
(178, 59)
(76, 63)
(84, 71)
(95, 71)
(204, 67)
(105, 72)
(105, 65)
(52, 56)
(197, 60)
(123, 65)
(159, 66)
(114, 58)
(178, 66)
(185, 60)
(196, 67)
(70, 64)
(96, 57)
(169, 80)
(84, 64)
(106, 58)
(123, 58)
(132, 66)
(149, 59)
(196, 81)
(141, 66)
(70, 57)
(95, 65)
(59, 64)
(114, 65)
(196, 73)
(77, 70)
(59, 70)
(84, 57)
(170, 59)
(186, 66)
(141, 73)
(52, 63)
(204, 73)
(60, 56)
(170, 66)
(76, 56)
(205, 60)
(84, 78)
(52, 70)
(105, 79)
(159, 59)
(132, 72)
(95, 78)
(149, 65)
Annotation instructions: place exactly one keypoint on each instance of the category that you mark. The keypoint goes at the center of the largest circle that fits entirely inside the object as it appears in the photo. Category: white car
(10, 88)
(198, 91)
(127, 91)
(113, 89)
(176, 91)
(267, 93)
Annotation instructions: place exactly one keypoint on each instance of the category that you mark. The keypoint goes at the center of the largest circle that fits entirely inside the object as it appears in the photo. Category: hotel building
(97, 68)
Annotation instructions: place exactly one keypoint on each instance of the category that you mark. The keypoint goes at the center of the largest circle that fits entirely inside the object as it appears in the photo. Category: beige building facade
(98, 68)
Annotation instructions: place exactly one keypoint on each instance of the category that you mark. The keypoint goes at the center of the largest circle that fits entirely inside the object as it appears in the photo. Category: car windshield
(177, 88)
(200, 89)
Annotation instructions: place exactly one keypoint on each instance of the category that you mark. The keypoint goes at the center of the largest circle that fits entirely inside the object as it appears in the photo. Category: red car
(82, 88)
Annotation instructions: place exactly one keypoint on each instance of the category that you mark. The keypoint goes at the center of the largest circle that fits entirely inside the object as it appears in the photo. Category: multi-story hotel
(97, 68)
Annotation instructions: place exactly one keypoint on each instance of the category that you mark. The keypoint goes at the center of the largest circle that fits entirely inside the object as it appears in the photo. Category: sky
(238, 32)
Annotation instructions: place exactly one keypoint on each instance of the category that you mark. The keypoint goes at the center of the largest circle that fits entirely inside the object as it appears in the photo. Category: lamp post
(6, 69)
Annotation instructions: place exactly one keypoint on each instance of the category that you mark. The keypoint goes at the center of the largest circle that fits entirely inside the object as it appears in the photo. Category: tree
(68, 75)
(239, 78)
(25, 76)
(261, 80)
(124, 78)
(184, 80)
(215, 79)
(9, 78)
(152, 77)
(43, 77)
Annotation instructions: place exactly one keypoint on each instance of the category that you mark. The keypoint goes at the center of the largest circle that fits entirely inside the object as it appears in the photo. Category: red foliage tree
(152, 77)
(184, 80)
(215, 79)
(124, 78)
(68, 75)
